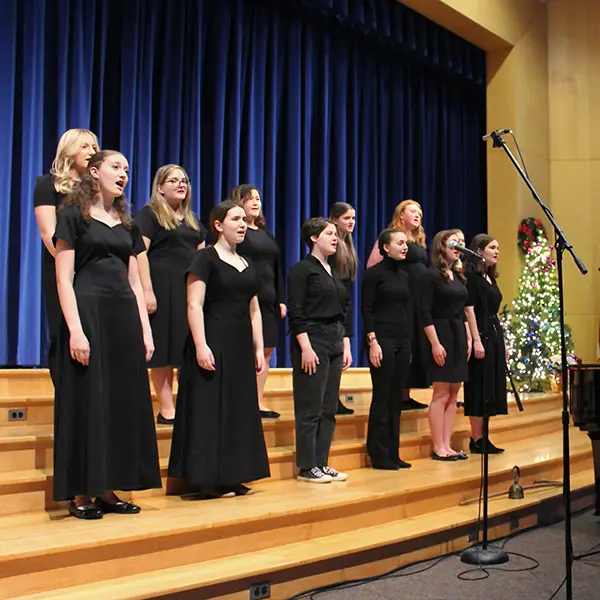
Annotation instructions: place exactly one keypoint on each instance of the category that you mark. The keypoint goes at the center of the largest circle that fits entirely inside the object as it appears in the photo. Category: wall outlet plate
(349, 398)
(261, 590)
(17, 414)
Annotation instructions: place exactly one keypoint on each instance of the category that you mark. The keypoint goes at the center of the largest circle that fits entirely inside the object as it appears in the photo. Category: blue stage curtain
(313, 101)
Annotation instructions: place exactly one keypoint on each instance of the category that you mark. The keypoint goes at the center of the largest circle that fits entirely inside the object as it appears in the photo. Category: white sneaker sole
(326, 479)
(340, 477)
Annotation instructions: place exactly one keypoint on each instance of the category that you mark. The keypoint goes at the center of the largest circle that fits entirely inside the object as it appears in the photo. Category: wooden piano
(584, 392)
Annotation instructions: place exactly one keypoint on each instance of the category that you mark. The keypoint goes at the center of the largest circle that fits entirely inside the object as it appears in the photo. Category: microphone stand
(483, 554)
(561, 244)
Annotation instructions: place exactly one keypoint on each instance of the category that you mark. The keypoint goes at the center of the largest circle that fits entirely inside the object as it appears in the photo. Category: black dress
(487, 376)
(104, 435)
(415, 265)
(261, 247)
(218, 437)
(46, 195)
(442, 304)
(170, 254)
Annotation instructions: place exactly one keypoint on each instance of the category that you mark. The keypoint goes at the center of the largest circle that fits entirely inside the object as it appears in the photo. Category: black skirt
(453, 337)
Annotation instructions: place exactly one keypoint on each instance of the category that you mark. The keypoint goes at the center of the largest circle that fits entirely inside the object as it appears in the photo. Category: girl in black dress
(104, 437)
(218, 441)
(261, 247)
(487, 366)
(408, 217)
(385, 309)
(172, 234)
(317, 303)
(75, 148)
(443, 298)
(345, 262)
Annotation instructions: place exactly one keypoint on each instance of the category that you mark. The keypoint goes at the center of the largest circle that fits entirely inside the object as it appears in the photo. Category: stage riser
(120, 561)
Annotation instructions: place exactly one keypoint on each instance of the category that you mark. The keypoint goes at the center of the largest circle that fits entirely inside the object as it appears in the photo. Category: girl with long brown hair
(345, 263)
(443, 299)
(172, 234)
(408, 218)
(104, 436)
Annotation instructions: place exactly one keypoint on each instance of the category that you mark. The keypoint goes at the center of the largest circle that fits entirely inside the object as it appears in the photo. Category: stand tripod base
(478, 555)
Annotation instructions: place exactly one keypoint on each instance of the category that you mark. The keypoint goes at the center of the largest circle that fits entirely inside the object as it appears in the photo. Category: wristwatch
(371, 338)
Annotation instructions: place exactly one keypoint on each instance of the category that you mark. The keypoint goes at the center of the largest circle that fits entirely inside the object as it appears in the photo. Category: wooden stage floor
(291, 534)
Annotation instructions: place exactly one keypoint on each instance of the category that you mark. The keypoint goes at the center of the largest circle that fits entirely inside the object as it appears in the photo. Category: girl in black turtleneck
(385, 306)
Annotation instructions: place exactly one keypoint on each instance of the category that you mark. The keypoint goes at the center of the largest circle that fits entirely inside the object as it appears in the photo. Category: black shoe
(476, 447)
(269, 414)
(412, 404)
(89, 512)
(403, 464)
(164, 421)
(451, 458)
(460, 455)
(385, 466)
(343, 410)
(460, 404)
(119, 507)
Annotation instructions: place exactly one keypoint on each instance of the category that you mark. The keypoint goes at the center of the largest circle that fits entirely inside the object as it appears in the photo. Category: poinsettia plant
(530, 231)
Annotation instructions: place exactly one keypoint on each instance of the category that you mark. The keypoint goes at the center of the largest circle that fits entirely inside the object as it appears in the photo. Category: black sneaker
(343, 410)
(335, 475)
(314, 475)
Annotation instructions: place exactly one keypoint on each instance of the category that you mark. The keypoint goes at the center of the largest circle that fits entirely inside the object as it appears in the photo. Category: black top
(415, 264)
(442, 298)
(169, 245)
(482, 293)
(45, 194)
(314, 295)
(261, 247)
(385, 299)
(102, 252)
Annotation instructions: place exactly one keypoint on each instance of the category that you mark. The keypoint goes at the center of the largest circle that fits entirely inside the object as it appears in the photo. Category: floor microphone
(487, 136)
(455, 245)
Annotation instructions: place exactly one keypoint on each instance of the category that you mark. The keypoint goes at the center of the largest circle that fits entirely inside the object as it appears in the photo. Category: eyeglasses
(176, 182)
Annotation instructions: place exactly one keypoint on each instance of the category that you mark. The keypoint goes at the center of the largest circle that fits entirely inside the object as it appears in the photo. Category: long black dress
(46, 195)
(104, 436)
(415, 265)
(218, 438)
(261, 247)
(442, 304)
(170, 254)
(487, 376)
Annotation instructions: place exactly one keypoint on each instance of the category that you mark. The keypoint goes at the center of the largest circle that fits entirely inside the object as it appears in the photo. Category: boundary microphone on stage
(464, 250)
(487, 136)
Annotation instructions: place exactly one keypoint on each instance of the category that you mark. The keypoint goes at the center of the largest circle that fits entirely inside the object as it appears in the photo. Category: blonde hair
(165, 215)
(417, 234)
(345, 254)
(69, 145)
(438, 249)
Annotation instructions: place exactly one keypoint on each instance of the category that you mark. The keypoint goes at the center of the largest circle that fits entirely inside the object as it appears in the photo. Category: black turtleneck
(385, 298)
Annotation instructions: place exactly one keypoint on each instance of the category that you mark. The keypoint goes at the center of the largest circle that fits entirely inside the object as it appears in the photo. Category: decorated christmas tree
(532, 327)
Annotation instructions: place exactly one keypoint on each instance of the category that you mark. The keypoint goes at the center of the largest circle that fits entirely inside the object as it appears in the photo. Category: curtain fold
(313, 101)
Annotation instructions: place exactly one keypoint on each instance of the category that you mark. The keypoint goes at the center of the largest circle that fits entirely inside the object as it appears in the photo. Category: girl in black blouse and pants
(385, 305)
(443, 299)
(317, 303)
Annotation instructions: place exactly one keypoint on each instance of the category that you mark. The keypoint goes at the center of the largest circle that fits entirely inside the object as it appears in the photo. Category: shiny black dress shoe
(385, 466)
(89, 512)
(403, 464)
(269, 414)
(120, 507)
(164, 421)
(451, 458)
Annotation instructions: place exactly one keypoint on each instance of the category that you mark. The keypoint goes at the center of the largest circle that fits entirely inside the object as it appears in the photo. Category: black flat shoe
(476, 447)
(460, 405)
(385, 466)
(269, 414)
(89, 512)
(412, 404)
(120, 507)
(164, 421)
(343, 410)
(403, 464)
(452, 458)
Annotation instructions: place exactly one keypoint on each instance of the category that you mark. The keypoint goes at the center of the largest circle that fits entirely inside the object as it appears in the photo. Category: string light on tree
(532, 327)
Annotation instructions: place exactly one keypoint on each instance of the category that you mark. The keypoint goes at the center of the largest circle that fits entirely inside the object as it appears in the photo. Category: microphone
(487, 136)
(455, 245)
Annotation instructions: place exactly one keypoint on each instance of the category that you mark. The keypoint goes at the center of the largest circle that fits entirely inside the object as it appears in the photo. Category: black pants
(316, 396)
(383, 437)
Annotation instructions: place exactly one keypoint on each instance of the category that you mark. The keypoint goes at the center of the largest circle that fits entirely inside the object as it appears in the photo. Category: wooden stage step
(173, 533)
(293, 567)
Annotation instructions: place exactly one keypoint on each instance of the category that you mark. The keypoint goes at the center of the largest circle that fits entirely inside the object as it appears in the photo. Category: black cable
(558, 589)
(514, 137)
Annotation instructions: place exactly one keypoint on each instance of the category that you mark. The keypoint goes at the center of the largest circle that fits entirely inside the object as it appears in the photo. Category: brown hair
(385, 237)
(345, 254)
(219, 212)
(481, 242)
(241, 193)
(165, 215)
(88, 188)
(438, 249)
(314, 226)
(417, 234)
